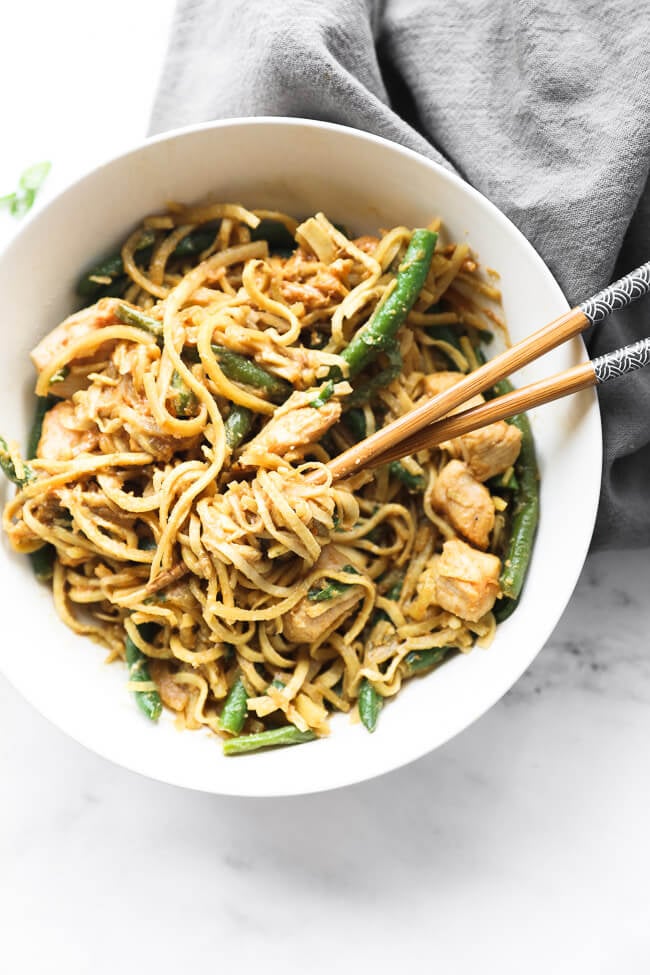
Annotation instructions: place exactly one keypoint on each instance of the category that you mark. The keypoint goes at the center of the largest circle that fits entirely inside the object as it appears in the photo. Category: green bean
(185, 398)
(233, 715)
(138, 319)
(287, 735)
(237, 425)
(500, 389)
(355, 421)
(504, 608)
(42, 561)
(277, 236)
(367, 391)
(197, 241)
(111, 267)
(235, 366)
(43, 405)
(148, 701)
(242, 370)
(8, 467)
(370, 704)
(115, 289)
(419, 661)
(525, 513)
(274, 232)
(379, 332)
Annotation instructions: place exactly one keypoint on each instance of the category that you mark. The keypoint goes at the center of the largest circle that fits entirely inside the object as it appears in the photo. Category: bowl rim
(415, 751)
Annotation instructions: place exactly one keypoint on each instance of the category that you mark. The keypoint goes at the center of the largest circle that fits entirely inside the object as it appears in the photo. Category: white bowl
(365, 182)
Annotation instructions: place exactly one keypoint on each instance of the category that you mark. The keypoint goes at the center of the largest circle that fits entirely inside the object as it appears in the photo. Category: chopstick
(590, 312)
(592, 373)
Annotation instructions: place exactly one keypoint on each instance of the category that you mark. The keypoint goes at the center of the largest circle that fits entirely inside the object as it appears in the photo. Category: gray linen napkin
(545, 108)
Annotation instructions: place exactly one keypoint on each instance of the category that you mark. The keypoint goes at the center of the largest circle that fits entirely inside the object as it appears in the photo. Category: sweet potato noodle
(180, 481)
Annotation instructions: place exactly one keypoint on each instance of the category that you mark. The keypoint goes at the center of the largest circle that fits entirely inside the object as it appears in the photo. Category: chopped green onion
(60, 375)
(329, 588)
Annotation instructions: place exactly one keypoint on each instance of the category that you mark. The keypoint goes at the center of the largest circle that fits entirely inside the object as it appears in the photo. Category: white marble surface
(522, 845)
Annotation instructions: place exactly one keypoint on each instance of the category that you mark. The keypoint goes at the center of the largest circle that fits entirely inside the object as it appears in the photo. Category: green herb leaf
(22, 203)
(8, 467)
(329, 588)
(60, 375)
(419, 661)
(30, 182)
(370, 704)
(34, 176)
(185, 398)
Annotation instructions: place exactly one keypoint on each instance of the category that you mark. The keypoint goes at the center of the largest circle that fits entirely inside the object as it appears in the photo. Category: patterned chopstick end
(624, 360)
(620, 294)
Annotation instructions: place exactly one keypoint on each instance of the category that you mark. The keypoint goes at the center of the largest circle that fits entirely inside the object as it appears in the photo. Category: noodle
(226, 557)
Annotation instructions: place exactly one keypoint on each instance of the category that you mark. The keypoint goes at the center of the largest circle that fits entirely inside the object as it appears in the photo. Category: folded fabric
(545, 108)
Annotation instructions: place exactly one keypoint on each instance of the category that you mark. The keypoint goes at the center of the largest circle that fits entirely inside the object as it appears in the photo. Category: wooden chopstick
(619, 294)
(592, 373)
(518, 401)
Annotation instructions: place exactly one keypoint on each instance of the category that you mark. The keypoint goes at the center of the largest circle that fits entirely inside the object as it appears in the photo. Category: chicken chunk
(75, 327)
(173, 695)
(319, 291)
(122, 400)
(468, 581)
(465, 502)
(366, 243)
(488, 451)
(314, 285)
(310, 619)
(62, 436)
(293, 425)
(439, 382)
